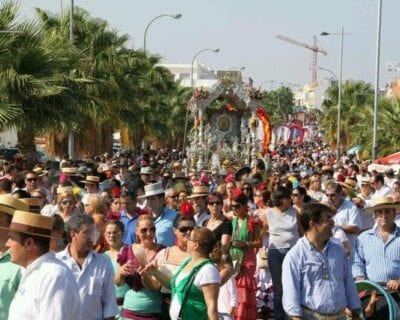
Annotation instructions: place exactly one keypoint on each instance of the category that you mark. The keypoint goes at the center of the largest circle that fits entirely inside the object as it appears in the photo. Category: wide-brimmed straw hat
(71, 171)
(349, 183)
(365, 180)
(40, 171)
(152, 190)
(34, 204)
(146, 171)
(91, 180)
(199, 191)
(9, 204)
(31, 223)
(383, 203)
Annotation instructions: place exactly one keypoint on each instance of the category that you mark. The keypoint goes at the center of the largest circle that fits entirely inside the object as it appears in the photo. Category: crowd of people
(141, 236)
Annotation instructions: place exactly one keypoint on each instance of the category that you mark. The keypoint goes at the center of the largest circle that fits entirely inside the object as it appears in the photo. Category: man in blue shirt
(129, 215)
(163, 216)
(377, 255)
(316, 277)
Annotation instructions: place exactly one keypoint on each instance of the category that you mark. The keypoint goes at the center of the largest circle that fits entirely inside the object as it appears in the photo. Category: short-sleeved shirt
(10, 277)
(165, 227)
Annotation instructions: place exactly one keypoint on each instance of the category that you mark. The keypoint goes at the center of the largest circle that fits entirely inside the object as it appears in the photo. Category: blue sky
(245, 32)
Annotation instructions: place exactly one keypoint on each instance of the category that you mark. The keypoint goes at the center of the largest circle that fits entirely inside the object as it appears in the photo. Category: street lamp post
(339, 89)
(71, 139)
(174, 16)
(376, 95)
(192, 88)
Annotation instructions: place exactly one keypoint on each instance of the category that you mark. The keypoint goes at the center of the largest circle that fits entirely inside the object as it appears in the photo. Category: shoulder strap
(192, 275)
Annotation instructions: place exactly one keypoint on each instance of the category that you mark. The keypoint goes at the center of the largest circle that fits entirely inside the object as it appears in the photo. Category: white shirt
(208, 274)
(95, 283)
(227, 298)
(47, 290)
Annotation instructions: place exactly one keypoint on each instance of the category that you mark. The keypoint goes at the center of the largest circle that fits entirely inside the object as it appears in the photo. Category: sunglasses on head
(184, 229)
(145, 230)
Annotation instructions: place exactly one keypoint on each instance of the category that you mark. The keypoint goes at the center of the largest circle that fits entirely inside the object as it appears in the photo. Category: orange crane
(314, 48)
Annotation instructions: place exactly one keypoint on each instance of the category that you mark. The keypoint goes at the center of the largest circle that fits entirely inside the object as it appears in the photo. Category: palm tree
(357, 97)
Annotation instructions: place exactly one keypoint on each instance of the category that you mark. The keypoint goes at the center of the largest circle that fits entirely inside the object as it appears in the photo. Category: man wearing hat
(198, 198)
(163, 216)
(92, 271)
(377, 253)
(10, 274)
(91, 186)
(365, 194)
(146, 175)
(314, 191)
(47, 289)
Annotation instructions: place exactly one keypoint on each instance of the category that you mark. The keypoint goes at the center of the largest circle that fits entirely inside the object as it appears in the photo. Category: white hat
(152, 190)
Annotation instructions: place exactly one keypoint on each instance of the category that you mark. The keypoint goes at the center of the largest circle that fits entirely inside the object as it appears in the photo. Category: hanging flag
(266, 126)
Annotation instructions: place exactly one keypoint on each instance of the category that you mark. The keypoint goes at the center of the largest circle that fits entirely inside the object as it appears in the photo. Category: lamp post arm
(175, 16)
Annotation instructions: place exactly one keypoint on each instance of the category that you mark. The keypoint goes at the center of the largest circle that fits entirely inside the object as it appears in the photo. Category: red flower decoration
(254, 224)
(236, 193)
(262, 186)
(230, 178)
(186, 209)
(116, 192)
(143, 211)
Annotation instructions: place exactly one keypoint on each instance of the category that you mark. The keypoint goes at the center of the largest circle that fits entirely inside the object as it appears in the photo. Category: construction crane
(314, 48)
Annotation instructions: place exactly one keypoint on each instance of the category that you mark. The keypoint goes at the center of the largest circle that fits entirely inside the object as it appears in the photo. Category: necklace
(323, 261)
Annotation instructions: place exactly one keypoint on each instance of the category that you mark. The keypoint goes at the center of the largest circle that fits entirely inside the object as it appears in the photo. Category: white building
(202, 76)
(310, 96)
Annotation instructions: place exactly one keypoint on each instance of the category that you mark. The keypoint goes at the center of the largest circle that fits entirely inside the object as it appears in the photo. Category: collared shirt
(349, 214)
(375, 259)
(201, 217)
(165, 227)
(130, 225)
(47, 290)
(10, 276)
(321, 282)
(95, 283)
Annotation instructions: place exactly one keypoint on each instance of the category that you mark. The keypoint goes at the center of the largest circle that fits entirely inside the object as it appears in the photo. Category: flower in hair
(236, 193)
(186, 209)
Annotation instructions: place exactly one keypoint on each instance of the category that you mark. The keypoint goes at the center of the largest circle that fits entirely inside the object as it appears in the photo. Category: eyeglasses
(31, 179)
(145, 230)
(185, 229)
(213, 203)
(70, 202)
(331, 195)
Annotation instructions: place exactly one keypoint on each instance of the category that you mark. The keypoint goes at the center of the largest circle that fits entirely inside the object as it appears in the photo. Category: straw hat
(365, 180)
(91, 180)
(349, 183)
(62, 189)
(178, 175)
(152, 190)
(31, 223)
(327, 168)
(33, 204)
(9, 204)
(146, 170)
(383, 203)
(199, 191)
(72, 171)
(40, 171)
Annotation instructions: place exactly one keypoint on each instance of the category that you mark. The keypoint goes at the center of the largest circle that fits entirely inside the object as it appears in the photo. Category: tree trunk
(26, 143)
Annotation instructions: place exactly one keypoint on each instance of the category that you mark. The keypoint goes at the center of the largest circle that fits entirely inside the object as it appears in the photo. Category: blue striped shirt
(319, 281)
(376, 260)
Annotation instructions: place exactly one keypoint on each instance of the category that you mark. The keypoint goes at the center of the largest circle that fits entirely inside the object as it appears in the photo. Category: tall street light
(339, 89)
(71, 140)
(174, 16)
(192, 87)
(376, 95)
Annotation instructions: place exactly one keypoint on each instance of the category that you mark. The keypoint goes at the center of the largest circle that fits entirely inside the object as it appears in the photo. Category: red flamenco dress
(245, 280)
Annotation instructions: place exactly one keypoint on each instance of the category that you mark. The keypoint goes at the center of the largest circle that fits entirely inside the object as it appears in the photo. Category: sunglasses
(213, 203)
(185, 229)
(247, 189)
(31, 179)
(70, 202)
(145, 230)
(235, 206)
